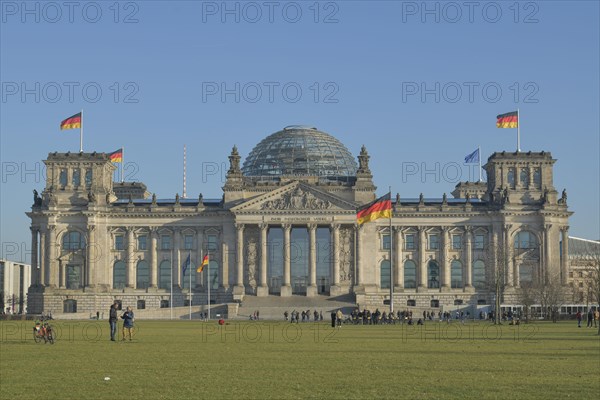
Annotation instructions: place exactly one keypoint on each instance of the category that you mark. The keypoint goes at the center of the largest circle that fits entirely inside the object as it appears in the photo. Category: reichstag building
(286, 226)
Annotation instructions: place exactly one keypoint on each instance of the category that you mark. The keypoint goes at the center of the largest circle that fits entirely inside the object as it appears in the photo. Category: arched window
(70, 306)
(525, 240)
(479, 274)
(433, 275)
(537, 178)
(73, 240)
(119, 275)
(385, 278)
(142, 275)
(456, 274)
(410, 274)
(164, 275)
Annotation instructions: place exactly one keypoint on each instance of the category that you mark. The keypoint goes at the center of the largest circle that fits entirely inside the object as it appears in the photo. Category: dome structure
(300, 150)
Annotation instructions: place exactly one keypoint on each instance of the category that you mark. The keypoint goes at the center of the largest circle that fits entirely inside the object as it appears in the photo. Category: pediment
(296, 196)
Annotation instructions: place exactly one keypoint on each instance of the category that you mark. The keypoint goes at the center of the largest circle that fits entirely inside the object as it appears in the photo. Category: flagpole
(122, 163)
(81, 132)
(391, 259)
(208, 280)
(518, 131)
(190, 272)
(171, 302)
(479, 153)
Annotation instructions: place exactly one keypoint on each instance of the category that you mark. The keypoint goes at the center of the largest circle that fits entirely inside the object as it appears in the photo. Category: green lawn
(256, 360)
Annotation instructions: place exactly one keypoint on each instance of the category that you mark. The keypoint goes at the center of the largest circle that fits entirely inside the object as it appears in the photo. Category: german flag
(71, 122)
(204, 264)
(508, 120)
(116, 156)
(380, 208)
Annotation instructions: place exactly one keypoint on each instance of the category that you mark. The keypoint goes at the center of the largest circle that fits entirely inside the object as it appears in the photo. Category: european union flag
(186, 263)
(473, 157)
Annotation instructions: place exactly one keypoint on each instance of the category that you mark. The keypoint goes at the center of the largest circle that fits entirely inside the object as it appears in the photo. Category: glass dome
(300, 150)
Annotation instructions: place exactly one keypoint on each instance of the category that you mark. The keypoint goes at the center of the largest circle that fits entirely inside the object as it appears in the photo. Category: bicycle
(43, 330)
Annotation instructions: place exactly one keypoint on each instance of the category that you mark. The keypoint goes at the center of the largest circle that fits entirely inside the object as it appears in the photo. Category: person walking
(578, 316)
(333, 318)
(112, 320)
(590, 318)
(339, 317)
(128, 319)
(596, 317)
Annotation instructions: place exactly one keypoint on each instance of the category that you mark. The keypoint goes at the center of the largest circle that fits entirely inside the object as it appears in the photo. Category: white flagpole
(479, 153)
(190, 272)
(391, 259)
(81, 132)
(518, 131)
(171, 302)
(122, 164)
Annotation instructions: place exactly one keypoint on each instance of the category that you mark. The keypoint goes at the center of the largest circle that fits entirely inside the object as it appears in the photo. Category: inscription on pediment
(297, 199)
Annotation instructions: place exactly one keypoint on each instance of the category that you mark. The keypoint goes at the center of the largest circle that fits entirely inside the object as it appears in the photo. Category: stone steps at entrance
(273, 307)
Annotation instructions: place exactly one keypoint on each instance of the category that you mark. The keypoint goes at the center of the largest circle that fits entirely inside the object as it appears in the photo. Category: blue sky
(419, 84)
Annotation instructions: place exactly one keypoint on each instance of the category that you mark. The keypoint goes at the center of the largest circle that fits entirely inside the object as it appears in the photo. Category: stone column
(286, 288)
(92, 253)
(398, 267)
(334, 288)
(130, 262)
(564, 259)
(508, 256)
(263, 289)
(360, 279)
(153, 258)
(239, 249)
(35, 271)
(311, 290)
(176, 259)
(546, 270)
(53, 273)
(445, 262)
(468, 257)
(62, 275)
(43, 260)
(422, 261)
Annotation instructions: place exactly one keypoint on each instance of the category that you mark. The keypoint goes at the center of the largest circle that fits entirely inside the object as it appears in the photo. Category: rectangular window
(188, 242)
(409, 242)
(119, 242)
(141, 304)
(479, 242)
(164, 304)
(142, 242)
(385, 242)
(88, 178)
(165, 242)
(211, 244)
(456, 242)
(62, 178)
(76, 177)
(434, 242)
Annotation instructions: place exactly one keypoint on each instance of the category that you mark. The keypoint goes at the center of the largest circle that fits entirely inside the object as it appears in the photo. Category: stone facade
(293, 235)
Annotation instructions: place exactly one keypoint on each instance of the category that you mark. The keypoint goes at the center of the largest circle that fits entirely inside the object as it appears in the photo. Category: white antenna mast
(184, 173)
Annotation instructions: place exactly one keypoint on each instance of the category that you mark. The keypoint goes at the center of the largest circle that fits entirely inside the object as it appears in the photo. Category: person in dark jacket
(333, 318)
(112, 320)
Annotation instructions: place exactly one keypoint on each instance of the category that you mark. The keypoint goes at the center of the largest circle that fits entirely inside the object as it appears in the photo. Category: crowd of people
(304, 316)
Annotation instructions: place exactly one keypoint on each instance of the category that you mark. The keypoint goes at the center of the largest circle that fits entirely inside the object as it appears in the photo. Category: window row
(433, 241)
(75, 175)
(433, 274)
(165, 273)
(524, 177)
(165, 242)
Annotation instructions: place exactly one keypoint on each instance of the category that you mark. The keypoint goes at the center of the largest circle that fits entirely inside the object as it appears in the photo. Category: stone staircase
(273, 307)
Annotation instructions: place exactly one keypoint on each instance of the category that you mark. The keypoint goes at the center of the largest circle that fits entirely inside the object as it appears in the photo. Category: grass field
(260, 360)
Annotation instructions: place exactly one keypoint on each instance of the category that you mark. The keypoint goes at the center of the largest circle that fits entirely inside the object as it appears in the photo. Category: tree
(526, 296)
(552, 294)
(497, 256)
(594, 282)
